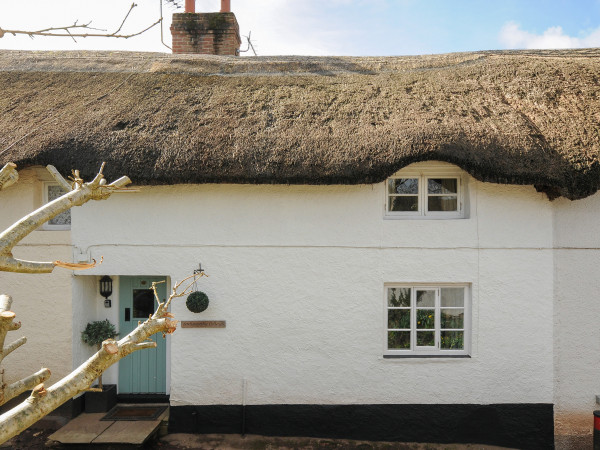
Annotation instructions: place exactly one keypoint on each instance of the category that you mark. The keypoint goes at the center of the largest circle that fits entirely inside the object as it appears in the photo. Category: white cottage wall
(298, 273)
(577, 309)
(37, 297)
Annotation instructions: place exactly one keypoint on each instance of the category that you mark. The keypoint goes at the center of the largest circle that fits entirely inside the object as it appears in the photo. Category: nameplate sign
(203, 324)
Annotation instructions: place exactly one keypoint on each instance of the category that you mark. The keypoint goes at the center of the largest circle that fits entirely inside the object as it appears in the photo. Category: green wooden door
(143, 371)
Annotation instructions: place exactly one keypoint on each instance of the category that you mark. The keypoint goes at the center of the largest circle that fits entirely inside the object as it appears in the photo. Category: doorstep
(89, 429)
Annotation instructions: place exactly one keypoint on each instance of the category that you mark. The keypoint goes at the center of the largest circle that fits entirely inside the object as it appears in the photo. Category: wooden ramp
(89, 429)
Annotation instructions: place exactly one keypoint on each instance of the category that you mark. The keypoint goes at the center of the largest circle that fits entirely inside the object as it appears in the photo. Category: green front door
(143, 371)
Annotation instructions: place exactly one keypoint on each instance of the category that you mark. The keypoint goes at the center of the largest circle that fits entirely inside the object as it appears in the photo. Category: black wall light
(106, 289)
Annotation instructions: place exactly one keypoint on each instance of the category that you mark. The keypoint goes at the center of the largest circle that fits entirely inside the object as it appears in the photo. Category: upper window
(427, 320)
(428, 195)
(63, 221)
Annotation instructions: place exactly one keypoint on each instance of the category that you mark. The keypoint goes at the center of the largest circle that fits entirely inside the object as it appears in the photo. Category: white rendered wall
(298, 273)
(577, 309)
(42, 303)
(90, 307)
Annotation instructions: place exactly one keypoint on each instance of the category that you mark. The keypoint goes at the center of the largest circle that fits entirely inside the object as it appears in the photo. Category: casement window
(63, 221)
(426, 320)
(425, 195)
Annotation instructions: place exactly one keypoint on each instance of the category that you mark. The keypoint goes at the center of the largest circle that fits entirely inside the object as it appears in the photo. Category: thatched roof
(520, 117)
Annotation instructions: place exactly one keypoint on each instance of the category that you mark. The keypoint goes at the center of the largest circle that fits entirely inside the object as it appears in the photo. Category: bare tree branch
(250, 45)
(67, 31)
(12, 347)
(59, 178)
(8, 175)
(43, 400)
(18, 387)
(6, 325)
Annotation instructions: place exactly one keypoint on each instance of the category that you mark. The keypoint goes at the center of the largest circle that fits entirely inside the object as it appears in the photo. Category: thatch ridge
(521, 117)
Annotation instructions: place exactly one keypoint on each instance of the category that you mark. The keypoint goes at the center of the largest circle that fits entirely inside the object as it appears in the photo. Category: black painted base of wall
(524, 426)
(142, 398)
(70, 409)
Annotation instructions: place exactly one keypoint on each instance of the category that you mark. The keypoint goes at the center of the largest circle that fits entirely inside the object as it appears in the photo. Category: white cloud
(291, 27)
(281, 27)
(512, 36)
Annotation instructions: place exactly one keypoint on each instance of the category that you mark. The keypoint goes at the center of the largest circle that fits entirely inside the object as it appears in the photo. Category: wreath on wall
(197, 302)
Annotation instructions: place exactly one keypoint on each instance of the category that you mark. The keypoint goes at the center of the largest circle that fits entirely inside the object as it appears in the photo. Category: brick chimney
(206, 33)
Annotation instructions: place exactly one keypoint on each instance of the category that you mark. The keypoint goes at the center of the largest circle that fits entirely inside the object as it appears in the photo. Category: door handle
(127, 314)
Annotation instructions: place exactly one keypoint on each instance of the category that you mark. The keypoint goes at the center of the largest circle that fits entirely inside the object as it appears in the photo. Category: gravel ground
(33, 439)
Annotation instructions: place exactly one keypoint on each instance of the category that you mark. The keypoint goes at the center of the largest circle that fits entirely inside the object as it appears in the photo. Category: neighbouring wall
(42, 303)
(298, 274)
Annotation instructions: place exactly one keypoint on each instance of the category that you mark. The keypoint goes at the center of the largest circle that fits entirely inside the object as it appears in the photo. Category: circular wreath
(197, 302)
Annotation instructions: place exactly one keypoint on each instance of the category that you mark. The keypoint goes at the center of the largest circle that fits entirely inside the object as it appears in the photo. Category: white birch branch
(18, 387)
(7, 324)
(42, 401)
(59, 178)
(8, 175)
(5, 302)
(6, 320)
(12, 347)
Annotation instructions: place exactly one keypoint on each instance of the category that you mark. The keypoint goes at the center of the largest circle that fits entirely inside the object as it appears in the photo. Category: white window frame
(416, 351)
(423, 175)
(49, 226)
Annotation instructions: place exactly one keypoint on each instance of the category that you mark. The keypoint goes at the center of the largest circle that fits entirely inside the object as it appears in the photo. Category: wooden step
(88, 429)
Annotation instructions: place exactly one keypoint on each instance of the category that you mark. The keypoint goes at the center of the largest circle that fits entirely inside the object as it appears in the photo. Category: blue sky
(334, 27)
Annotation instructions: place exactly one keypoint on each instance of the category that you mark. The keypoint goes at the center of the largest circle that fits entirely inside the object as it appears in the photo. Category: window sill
(418, 217)
(425, 356)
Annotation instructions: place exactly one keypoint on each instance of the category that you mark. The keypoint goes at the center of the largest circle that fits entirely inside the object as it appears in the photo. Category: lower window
(427, 320)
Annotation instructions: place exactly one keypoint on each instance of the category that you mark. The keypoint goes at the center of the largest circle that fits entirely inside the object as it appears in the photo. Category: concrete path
(88, 429)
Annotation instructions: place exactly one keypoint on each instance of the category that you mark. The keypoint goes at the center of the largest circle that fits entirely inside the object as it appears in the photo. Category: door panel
(143, 371)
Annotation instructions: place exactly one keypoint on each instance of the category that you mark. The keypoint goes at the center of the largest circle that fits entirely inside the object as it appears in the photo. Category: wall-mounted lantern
(106, 289)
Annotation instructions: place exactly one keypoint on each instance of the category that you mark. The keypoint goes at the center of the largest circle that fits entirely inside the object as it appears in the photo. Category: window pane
(403, 186)
(452, 340)
(143, 303)
(452, 318)
(398, 340)
(399, 318)
(64, 218)
(426, 318)
(403, 203)
(442, 185)
(445, 203)
(452, 297)
(398, 297)
(425, 299)
(425, 338)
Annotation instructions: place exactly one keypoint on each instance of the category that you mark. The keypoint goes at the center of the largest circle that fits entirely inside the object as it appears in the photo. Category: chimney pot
(190, 6)
(225, 6)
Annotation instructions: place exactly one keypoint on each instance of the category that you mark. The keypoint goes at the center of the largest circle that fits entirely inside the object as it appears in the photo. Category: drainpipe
(190, 6)
(596, 430)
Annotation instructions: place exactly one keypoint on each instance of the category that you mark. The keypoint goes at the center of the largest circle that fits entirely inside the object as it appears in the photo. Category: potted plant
(102, 398)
